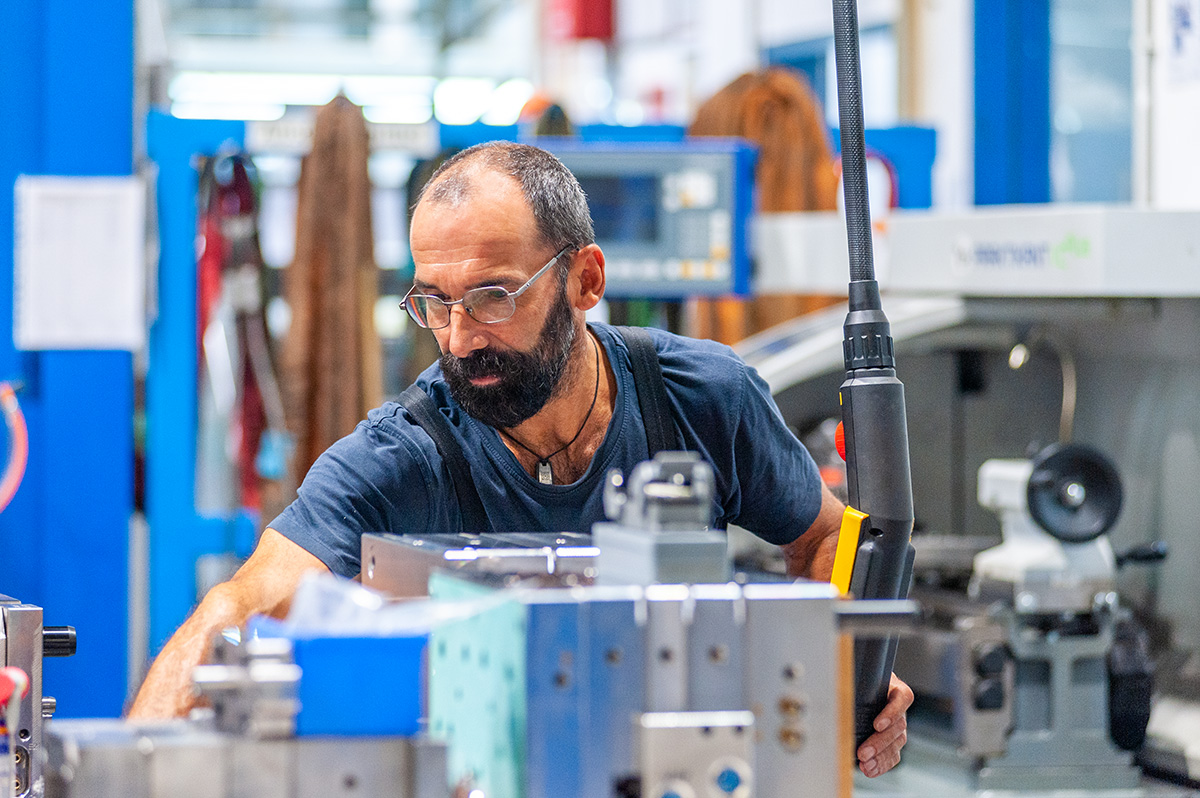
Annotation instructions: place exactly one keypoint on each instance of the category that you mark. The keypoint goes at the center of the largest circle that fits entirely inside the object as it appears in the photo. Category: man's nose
(465, 335)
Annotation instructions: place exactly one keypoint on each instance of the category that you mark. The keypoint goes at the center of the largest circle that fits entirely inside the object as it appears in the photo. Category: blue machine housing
(334, 669)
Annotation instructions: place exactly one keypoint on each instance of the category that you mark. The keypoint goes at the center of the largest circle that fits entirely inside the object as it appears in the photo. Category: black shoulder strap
(417, 402)
(651, 391)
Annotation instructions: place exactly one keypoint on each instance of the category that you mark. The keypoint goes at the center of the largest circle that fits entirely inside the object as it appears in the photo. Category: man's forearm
(264, 584)
(812, 554)
(167, 691)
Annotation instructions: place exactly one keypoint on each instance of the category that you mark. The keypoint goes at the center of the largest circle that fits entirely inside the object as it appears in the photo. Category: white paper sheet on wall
(1183, 53)
(80, 279)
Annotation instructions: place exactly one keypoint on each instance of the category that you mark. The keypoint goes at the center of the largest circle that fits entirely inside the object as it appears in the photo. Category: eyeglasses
(490, 304)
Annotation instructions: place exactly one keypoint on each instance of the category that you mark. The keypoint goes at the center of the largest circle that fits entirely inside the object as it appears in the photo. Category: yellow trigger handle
(853, 523)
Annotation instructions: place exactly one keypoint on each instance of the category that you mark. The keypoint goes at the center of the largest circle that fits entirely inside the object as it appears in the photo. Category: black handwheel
(1074, 492)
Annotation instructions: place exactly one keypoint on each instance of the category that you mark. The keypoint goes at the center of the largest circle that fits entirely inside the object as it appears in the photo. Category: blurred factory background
(203, 213)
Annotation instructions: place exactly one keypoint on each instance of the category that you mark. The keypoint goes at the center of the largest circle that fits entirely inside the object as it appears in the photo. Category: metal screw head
(791, 739)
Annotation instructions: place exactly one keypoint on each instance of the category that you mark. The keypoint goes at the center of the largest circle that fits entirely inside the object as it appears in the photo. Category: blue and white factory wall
(67, 87)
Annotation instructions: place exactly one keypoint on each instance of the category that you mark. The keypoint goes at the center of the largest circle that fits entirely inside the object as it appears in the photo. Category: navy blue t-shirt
(387, 475)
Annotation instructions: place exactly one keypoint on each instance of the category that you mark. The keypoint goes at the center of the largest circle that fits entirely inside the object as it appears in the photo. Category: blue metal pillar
(177, 534)
(66, 87)
(1012, 101)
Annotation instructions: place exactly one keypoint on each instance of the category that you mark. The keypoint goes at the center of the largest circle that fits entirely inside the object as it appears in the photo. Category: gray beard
(528, 380)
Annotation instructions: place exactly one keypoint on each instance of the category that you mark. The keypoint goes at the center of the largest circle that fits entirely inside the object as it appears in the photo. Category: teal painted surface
(477, 696)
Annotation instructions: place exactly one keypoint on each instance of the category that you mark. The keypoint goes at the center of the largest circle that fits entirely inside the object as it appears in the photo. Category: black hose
(854, 160)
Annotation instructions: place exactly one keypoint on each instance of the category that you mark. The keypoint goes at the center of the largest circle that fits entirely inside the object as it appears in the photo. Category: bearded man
(540, 404)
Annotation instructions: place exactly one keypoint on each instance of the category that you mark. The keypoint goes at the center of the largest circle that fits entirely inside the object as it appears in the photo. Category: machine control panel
(672, 218)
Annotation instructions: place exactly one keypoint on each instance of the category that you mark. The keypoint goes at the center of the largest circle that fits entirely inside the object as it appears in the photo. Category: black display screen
(624, 207)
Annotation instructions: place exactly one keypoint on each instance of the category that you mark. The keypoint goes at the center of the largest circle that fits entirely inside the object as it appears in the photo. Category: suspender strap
(417, 402)
(651, 391)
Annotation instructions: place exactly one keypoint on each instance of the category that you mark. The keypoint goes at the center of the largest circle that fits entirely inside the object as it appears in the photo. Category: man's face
(502, 373)
(515, 384)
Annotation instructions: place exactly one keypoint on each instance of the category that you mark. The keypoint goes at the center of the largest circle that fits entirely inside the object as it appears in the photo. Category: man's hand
(881, 751)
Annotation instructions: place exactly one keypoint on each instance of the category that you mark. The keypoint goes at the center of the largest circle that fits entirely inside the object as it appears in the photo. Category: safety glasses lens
(427, 311)
(489, 304)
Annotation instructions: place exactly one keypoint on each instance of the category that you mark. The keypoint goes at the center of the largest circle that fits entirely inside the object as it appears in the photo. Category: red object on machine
(12, 681)
(839, 440)
(567, 20)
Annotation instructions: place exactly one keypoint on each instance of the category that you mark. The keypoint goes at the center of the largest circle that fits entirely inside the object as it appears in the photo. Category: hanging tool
(875, 553)
(241, 435)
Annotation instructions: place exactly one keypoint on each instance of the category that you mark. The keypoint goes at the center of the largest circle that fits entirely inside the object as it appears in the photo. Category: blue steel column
(66, 87)
(1012, 101)
(177, 534)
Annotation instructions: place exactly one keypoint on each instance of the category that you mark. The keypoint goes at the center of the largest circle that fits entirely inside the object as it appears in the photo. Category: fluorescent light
(390, 317)
(403, 111)
(461, 101)
(506, 102)
(387, 89)
(250, 112)
(254, 87)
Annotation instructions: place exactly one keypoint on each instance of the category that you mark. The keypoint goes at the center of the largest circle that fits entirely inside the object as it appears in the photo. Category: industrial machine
(248, 744)
(1038, 678)
(1018, 325)
(24, 641)
(552, 669)
(587, 674)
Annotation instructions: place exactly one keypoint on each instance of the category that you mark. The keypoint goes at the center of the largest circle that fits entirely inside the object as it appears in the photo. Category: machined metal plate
(399, 565)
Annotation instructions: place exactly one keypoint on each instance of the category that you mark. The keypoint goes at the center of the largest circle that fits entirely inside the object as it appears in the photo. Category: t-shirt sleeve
(777, 481)
(766, 481)
(370, 481)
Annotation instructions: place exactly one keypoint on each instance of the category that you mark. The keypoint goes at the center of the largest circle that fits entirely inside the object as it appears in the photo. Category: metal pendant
(544, 474)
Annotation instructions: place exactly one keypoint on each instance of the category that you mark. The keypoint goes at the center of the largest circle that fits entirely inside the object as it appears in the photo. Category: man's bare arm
(811, 555)
(265, 584)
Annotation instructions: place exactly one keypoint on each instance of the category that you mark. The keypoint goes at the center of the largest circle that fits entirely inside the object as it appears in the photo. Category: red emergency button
(839, 440)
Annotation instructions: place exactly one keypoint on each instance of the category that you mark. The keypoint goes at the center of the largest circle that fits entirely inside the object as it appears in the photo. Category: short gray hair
(558, 203)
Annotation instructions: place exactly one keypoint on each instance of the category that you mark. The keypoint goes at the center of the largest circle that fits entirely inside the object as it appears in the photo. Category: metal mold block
(696, 754)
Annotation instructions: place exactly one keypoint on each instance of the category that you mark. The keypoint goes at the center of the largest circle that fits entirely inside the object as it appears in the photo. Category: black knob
(58, 641)
(1144, 554)
(990, 659)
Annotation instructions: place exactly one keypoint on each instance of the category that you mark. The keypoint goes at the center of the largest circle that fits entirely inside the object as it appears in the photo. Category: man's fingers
(881, 751)
(882, 763)
(900, 698)
(894, 736)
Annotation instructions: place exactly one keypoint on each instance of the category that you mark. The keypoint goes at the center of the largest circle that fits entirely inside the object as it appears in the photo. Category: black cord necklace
(545, 474)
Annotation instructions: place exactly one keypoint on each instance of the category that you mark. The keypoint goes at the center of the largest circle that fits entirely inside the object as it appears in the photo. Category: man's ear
(587, 278)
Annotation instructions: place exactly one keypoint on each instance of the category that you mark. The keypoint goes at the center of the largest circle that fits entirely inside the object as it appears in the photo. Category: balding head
(553, 194)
